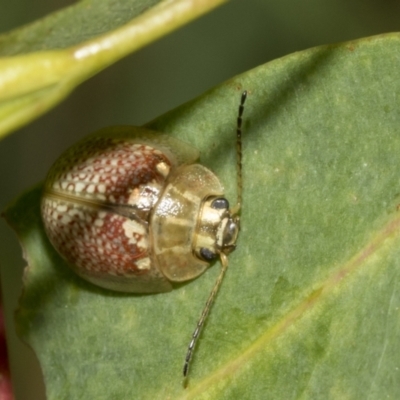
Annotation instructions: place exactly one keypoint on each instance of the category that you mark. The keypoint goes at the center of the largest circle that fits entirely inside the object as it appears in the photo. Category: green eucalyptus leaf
(40, 64)
(310, 305)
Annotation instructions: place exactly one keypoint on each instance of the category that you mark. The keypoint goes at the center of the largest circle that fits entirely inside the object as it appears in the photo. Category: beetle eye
(220, 203)
(207, 254)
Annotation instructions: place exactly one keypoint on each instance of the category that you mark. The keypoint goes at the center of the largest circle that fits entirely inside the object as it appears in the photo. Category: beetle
(131, 211)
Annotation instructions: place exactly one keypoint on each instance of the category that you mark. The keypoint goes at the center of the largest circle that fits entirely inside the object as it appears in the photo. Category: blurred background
(234, 38)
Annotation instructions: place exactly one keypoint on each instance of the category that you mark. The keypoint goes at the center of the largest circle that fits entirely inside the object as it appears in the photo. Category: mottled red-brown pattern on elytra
(106, 171)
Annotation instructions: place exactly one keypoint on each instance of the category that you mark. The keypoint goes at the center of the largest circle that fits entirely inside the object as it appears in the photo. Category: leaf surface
(310, 306)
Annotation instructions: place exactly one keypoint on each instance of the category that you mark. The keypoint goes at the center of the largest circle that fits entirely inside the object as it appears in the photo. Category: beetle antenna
(200, 323)
(223, 257)
(236, 208)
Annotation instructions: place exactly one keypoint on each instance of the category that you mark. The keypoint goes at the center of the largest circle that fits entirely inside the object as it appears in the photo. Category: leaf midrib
(389, 231)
